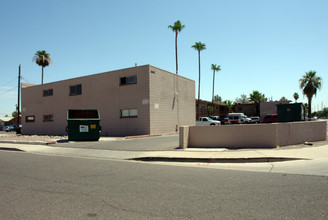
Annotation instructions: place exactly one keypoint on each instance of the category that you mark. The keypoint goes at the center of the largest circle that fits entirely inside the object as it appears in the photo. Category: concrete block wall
(253, 135)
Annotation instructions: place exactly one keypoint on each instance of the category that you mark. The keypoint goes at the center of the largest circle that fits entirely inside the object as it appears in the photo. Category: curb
(218, 160)
(29, 142)
(142, 136)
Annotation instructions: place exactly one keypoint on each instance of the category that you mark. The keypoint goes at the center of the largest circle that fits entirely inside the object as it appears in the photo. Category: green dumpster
(83, 125)
(290, 112)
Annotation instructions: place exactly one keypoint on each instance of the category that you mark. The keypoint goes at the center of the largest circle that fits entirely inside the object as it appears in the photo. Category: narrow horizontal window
(75, 90)
(48, 117)
(128, 80)
(30, 118)
(129, 113)
(48, 92)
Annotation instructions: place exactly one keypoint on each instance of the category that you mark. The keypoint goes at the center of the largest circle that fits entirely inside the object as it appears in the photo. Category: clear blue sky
(260, 45)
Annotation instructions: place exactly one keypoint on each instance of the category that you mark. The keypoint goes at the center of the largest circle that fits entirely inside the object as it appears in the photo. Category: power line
(10, 90)
(8, 82)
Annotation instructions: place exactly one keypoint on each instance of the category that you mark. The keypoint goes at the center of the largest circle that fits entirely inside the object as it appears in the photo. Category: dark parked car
(11, 128)
(270, 118)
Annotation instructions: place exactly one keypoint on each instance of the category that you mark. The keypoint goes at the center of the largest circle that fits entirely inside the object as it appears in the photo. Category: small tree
(217, 98)
(14, 114)
(282, 99)
(296, 96)
(242, 100)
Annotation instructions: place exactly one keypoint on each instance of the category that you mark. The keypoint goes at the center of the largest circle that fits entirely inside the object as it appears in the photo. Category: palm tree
(229, 104)
(296, 96)
(42, 58)
(310, 83)
(199, 46)
(177, 27)
(214, 68)
(256, 96)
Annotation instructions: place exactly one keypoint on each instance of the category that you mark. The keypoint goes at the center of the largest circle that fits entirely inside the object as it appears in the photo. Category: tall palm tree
(310, 83)
(177, 27)
(214, 68)
(42, 58)
(199, 46)
(296, 96)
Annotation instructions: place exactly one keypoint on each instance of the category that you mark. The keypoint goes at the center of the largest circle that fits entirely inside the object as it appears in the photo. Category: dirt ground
(12, 136)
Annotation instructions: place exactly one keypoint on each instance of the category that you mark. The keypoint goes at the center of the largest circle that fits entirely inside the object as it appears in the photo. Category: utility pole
(18, 131)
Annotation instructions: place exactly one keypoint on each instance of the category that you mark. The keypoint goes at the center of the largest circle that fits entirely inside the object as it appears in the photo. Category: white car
(206, 121)
(255, 119)
(245, 119)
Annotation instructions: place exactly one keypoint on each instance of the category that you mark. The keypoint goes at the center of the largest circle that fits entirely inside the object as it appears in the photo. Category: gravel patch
(11, 136)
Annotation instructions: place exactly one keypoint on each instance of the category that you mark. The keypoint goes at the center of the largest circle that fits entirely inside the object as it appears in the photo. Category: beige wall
(233, 136)
(253, 135)
(171, 102)
(103, 92)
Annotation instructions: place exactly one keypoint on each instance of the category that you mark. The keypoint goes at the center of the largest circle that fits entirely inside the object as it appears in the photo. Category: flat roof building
(133, 101)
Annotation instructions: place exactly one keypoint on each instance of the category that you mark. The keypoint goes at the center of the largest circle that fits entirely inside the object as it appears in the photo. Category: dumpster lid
(82, 113)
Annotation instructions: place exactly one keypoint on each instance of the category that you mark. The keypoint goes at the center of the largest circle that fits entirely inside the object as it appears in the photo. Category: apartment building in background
(132, 101)
(214, 108)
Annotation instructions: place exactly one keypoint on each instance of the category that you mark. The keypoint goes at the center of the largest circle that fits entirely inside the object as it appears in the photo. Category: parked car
(215, 118)
(255, 119)
(245, 119)
(235, 119)
(10, 128)
(270, 118)
(206, 121)
(223, 119)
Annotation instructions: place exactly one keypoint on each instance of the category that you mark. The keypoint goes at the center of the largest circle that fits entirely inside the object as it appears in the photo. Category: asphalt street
(54, 187)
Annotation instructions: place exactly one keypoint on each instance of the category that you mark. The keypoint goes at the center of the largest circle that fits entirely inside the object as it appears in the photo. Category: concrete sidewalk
(300, 159)
(210, 155)
(44, 145)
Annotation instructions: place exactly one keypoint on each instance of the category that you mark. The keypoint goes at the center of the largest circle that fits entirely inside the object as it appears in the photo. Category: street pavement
(39, 186)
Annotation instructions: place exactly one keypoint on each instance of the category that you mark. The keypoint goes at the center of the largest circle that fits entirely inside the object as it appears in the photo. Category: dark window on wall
(75, 90)
(30, 118)
(48, 92)
(48, 117)
(128, 80)
(129, 113)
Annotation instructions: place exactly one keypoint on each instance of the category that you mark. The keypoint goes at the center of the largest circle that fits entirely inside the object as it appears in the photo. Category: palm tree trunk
(176, 52)
(42, 76)
(176, 80)
(309, 107)
(198, 83)
(213, 85)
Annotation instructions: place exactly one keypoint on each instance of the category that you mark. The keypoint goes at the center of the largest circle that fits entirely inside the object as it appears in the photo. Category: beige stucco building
(133, 101)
